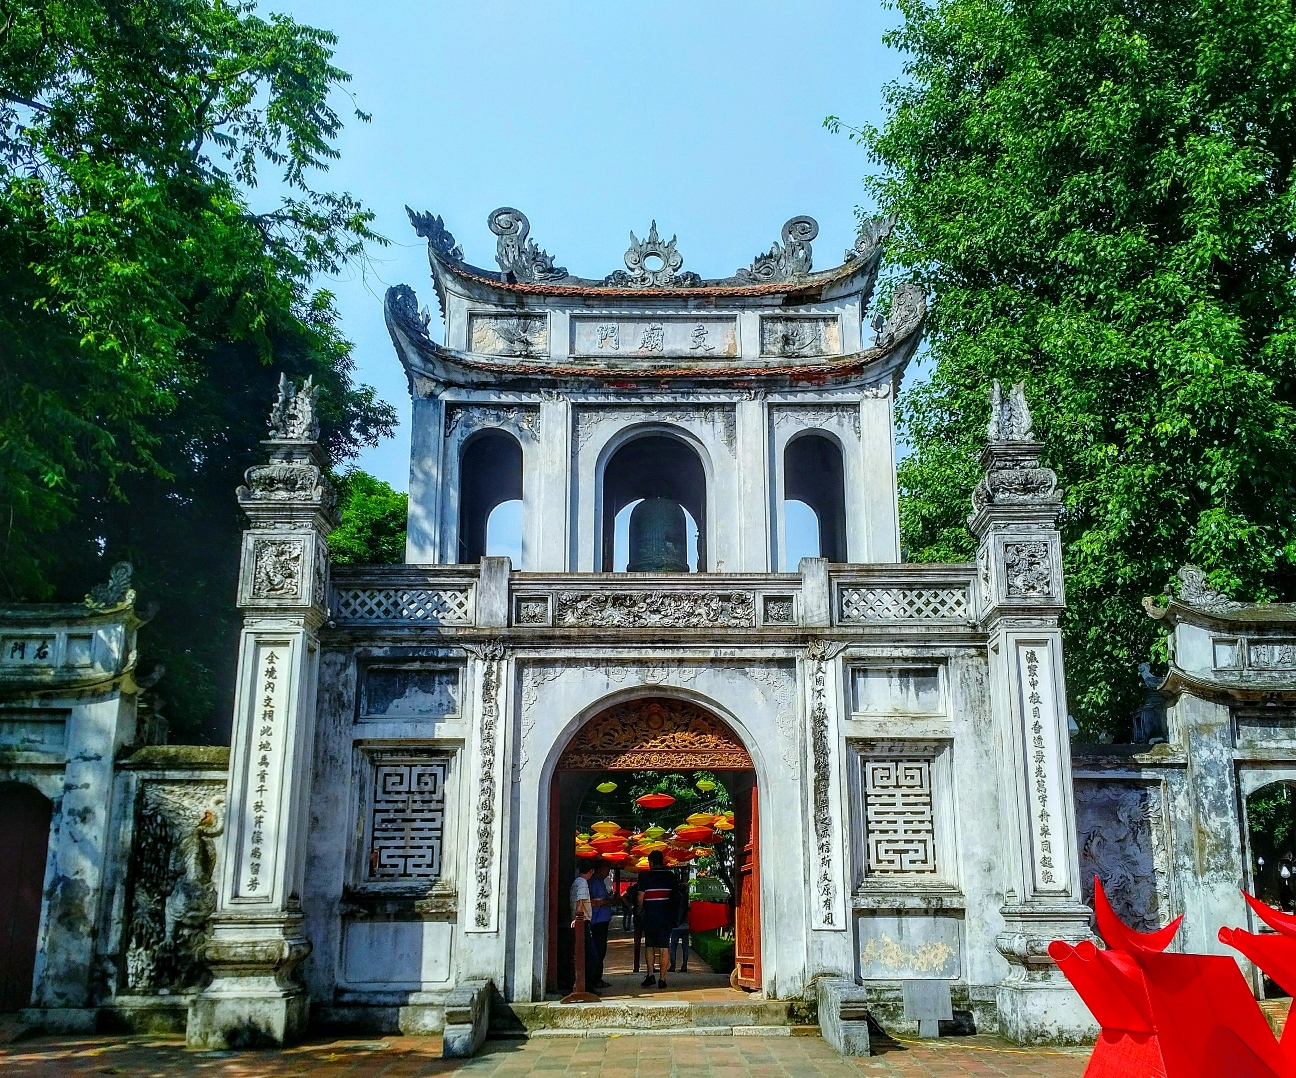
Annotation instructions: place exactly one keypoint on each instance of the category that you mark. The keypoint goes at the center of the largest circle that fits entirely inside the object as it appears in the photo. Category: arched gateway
(410, 742)
(656, 734)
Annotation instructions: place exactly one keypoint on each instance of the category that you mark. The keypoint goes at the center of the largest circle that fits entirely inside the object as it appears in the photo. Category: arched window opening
(800, 534)
(490, 474)
(655, 466)
(504, 532)
(621, 544)
(813, 475)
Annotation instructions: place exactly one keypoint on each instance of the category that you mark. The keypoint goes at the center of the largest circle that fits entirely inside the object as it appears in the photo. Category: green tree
(147, 305)
(371, 524)
(1098, 198)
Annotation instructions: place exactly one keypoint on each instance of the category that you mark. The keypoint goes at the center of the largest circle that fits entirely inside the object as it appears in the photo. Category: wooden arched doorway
(658, 734)
(24, 845)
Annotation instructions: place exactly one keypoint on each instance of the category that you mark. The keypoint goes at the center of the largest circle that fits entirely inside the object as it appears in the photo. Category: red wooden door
(24, 843)
(747, 927)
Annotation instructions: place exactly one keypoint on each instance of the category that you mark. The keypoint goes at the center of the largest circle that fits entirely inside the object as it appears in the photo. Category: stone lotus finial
(516, 254)
(114, 594)
(786, 260)
(1010, 418)
(293, 416)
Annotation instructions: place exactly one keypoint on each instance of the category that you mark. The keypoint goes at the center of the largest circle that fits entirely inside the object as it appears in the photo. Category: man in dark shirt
(659, 897)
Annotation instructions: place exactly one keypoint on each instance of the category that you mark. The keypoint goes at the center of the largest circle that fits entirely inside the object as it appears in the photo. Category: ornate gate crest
(655, 734)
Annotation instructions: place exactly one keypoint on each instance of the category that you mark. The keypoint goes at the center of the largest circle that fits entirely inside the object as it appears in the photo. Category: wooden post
(579, 994)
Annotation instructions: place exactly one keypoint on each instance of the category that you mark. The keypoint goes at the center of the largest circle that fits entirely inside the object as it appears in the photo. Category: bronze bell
(658, 539)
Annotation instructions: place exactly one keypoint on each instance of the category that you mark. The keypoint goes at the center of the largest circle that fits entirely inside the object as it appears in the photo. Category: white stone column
(423, 531)
(257, 941)
(1019, 563)
(553, 499)
(753, 487)
(879, 528)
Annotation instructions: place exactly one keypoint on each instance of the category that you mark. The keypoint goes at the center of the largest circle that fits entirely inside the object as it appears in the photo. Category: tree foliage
(372, 518)
(1098, 196)
(147, 306)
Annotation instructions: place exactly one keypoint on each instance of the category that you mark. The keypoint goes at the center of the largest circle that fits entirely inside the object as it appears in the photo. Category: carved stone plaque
(795, 337)
(508, 335)
(703, 337)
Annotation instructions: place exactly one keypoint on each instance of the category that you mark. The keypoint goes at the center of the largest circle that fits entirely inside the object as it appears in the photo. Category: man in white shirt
(581, 904)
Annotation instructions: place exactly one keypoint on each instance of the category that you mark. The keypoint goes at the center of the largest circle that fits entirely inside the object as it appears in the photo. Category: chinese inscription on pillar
(1040, 714)
(263, 783)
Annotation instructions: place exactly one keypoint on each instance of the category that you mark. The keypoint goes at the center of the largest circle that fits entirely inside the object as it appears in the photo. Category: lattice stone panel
(437, 606)
(903, 604)
(408, 819)
(898, 816)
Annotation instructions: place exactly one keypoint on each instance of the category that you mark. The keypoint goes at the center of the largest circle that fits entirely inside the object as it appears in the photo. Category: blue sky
(593, 119)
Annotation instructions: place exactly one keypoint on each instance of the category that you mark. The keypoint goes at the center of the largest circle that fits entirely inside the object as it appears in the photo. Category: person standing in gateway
(581, 906)
(659, 900)
(600, 898)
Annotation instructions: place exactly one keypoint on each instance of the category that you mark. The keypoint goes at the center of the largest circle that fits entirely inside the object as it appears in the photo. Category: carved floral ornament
(656, 734)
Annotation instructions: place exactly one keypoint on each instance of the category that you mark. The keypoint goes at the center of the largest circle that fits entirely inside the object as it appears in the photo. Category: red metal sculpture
(1169, 1015)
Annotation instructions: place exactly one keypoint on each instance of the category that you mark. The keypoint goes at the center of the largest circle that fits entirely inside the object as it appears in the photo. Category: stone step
(645, 1016)
(685, 1031)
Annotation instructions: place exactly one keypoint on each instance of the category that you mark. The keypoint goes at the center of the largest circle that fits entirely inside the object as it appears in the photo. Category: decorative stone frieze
(654, 609)
(524, 419)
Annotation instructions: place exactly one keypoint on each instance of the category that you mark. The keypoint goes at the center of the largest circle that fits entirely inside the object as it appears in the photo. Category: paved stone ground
(547, 1057)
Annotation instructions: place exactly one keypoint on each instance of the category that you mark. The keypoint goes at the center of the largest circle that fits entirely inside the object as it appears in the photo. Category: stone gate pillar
(1019, 573)
(257, 942)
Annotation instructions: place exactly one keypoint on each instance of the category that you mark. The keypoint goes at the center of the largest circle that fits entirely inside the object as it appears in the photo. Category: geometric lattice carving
(898, 815)
(903, 604)
(408, 819)
(436, 606)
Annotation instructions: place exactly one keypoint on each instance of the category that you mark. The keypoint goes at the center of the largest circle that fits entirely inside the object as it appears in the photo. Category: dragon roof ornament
(650, 262)
(517, 255)
(787, 260)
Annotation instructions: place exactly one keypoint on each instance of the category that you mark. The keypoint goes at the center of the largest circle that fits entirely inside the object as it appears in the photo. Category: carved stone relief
(492, 657)
(508, 335)
(471, 417)
(277, 568)
(1121, 828)
(433, 229)
(172, 896)
(816, 415)
(800, 336)
(587, 420)
(821, 802)
(649, 609)
(1027, 569)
